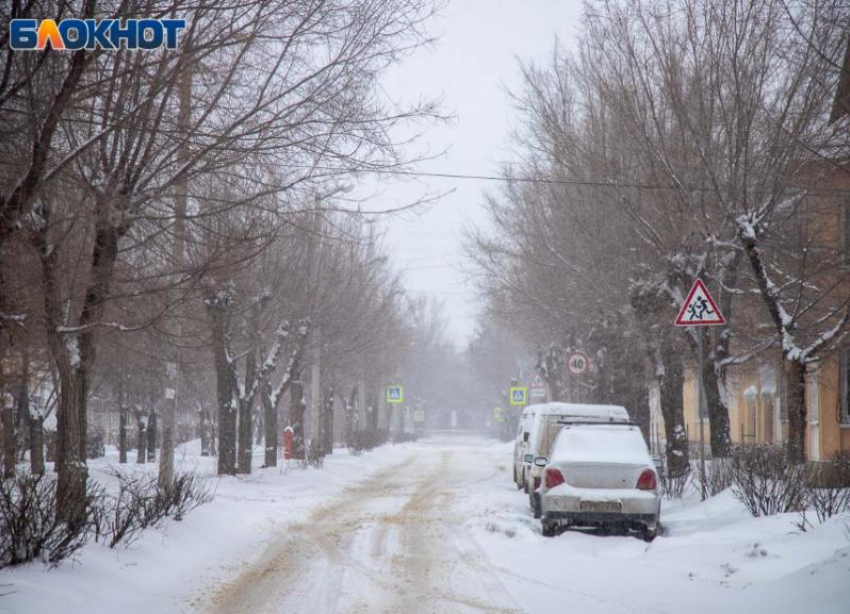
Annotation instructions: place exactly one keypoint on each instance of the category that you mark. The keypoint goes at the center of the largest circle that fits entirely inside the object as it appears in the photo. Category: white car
(600, 475)
(533, 421)
(549, 421)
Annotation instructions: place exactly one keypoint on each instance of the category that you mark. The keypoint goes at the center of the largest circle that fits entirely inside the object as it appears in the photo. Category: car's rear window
(609, 444)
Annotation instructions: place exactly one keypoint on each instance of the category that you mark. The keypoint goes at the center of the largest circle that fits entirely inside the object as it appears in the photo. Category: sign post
(699, 309)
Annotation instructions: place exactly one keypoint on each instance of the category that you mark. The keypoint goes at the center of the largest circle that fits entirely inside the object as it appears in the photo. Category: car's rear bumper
(571, 504)
(601, 518)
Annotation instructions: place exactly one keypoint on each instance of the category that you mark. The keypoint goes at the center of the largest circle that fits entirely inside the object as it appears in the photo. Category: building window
(845, 386)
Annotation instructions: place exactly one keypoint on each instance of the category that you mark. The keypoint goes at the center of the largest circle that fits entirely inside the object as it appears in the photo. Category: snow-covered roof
(581, 410)
(601, 444)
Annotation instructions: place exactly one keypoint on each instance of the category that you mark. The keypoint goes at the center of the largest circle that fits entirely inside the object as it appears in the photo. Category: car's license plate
(601, 506)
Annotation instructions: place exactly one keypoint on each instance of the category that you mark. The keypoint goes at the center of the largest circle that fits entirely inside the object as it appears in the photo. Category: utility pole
(316, 406)
(169, 406)
(362, 410)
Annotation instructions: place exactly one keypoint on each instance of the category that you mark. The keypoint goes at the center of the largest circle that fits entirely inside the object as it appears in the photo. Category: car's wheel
(534, 501)
(649, 532)
(548, 528)
(517, 481)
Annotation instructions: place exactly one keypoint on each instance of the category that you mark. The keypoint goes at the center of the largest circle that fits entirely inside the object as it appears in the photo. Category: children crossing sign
(395, 394)
(537, 387)
(699, 308)
(519, 395)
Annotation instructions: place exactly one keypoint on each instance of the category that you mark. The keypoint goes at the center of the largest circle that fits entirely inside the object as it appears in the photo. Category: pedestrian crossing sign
(395, 394)
(519, 394)
(699, 309)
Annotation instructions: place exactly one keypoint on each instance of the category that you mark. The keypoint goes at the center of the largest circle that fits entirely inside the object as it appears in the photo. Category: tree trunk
(36, 427)
(152, 436)
(123, 419)
(795, 376)
(328, 422)
(123, 435)
(674, 425)
(141, 439)
(296, 411)
(204, 430)
(670, 377)
(795, 370)
(71, 446)
(218, 306)
(270, 425)
(350, 417)
(714, 374)
(718, 408)
(7, 418)
(246, 418)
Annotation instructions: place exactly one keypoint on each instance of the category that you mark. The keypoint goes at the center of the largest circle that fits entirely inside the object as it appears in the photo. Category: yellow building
(757, 405)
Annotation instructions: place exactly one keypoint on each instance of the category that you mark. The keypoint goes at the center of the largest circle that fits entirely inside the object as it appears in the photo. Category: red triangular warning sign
(537, 382)
(699, 308)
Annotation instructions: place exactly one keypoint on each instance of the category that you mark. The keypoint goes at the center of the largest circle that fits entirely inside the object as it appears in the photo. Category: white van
(521, 442)
(547, 421)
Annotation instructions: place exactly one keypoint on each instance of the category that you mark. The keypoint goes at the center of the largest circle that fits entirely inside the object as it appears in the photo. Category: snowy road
(393, 543)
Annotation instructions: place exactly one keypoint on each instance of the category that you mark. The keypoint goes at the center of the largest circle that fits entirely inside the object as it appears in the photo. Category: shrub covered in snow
(140, 502)
(366, 440)
(765, 480)
(29, 528)
(827, 491)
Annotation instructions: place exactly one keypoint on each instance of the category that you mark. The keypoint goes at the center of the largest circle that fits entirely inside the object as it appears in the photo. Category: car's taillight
(553, 478)
(647, 480)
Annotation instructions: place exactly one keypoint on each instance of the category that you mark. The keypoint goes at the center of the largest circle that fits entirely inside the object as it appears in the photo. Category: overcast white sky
(472, 64)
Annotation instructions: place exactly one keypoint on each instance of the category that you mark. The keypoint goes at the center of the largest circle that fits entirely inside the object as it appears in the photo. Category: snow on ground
(714, 557)
(163, 571)
(437, 526)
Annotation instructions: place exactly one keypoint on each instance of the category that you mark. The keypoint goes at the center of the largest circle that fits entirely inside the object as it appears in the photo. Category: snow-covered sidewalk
(166, 570)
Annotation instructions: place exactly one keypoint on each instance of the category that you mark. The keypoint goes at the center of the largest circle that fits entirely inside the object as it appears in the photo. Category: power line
(573, 182)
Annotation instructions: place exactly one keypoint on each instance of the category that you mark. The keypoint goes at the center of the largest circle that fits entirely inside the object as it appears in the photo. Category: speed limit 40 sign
(578, 363)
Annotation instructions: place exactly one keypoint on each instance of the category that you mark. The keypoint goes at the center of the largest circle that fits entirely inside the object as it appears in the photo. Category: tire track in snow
(386, 545)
